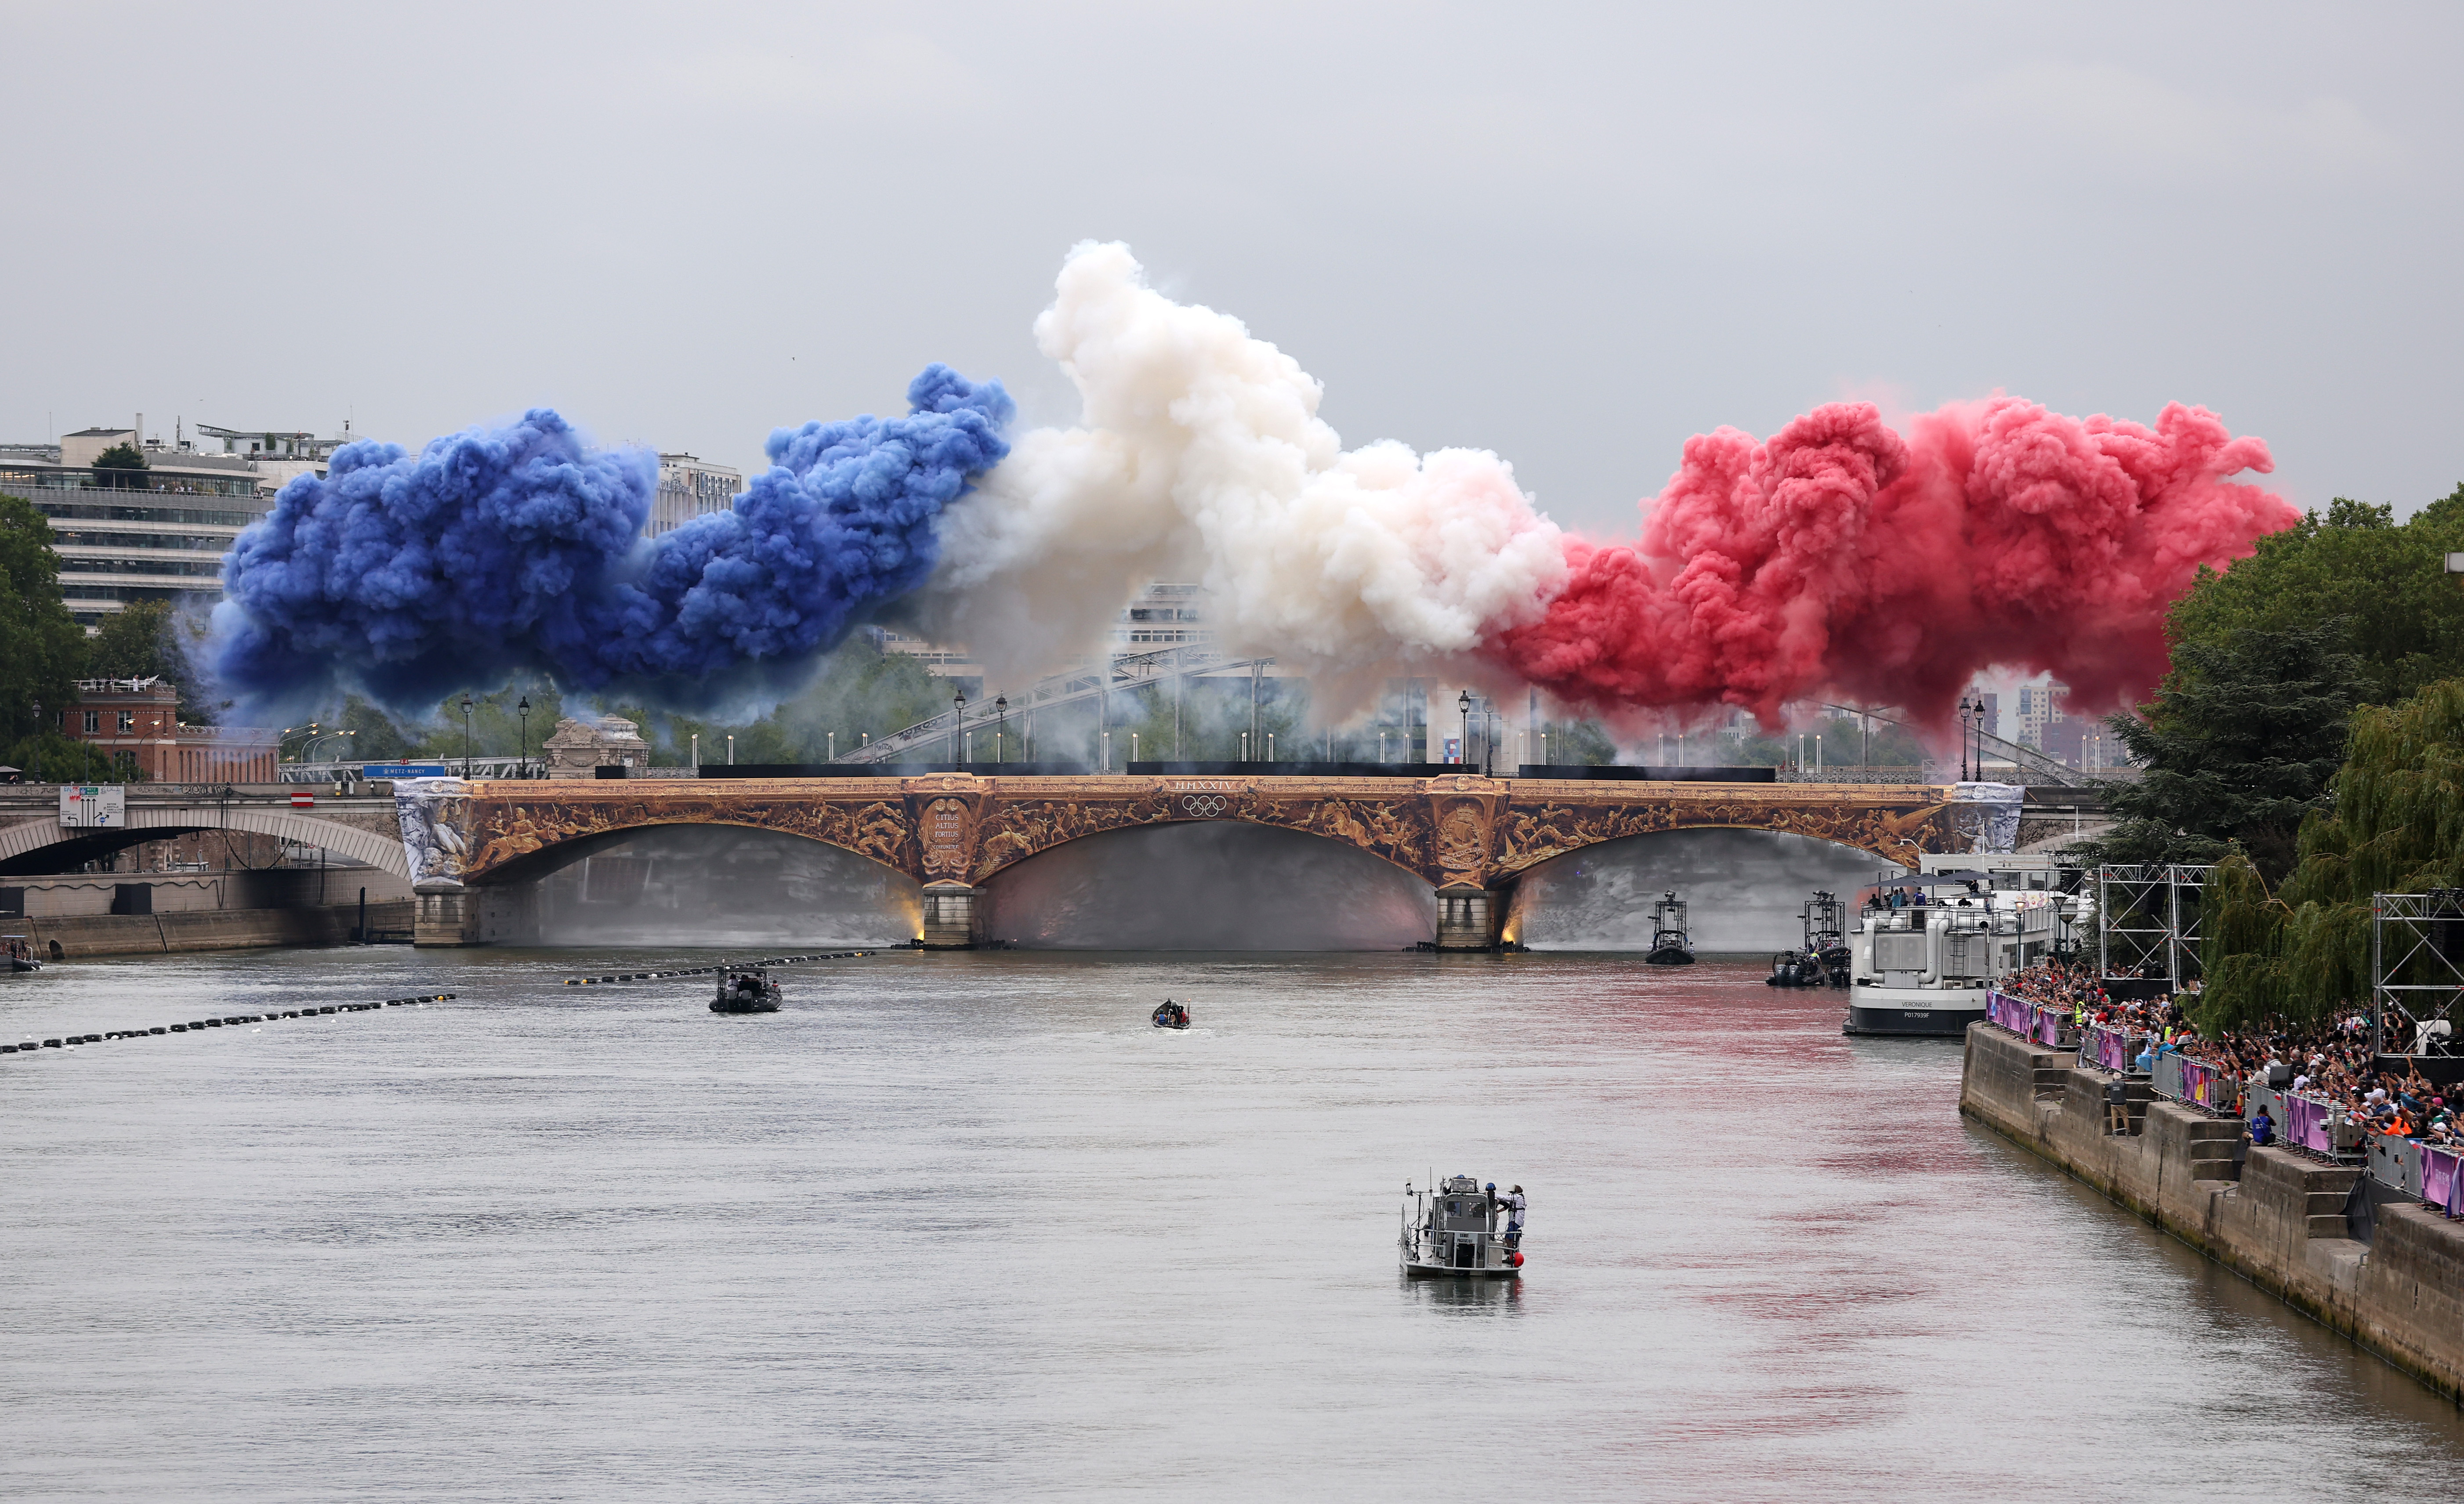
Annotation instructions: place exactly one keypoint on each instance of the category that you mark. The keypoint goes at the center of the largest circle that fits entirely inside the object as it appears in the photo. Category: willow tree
(2396, 826)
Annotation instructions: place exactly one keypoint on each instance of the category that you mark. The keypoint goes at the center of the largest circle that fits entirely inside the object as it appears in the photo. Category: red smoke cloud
(1843, 559)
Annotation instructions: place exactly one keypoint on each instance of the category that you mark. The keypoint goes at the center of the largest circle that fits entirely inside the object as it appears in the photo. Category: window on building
(93, 722)
(127, 721)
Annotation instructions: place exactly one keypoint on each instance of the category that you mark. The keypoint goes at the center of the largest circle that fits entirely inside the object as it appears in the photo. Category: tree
(2239, 747)
(42, 650)
(119, 467)
(2403, 616)
(2396, 825)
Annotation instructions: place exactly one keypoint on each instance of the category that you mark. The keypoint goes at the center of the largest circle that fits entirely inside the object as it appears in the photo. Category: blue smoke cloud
(493, 552)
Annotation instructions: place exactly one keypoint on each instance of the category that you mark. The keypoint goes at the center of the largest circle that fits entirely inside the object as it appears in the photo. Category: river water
(961, 1226)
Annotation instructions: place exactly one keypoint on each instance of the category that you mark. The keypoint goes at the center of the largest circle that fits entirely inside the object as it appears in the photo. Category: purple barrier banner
(2205, 1084)
(2110, 1047)
(2305, 1123)
(2010, 1012)
(2442, 1178)
(2049, 1026)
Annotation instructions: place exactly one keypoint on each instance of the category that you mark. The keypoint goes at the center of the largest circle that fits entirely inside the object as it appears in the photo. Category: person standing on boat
(1513, 1202)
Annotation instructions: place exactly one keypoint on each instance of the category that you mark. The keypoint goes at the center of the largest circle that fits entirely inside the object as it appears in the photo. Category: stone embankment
(68, 937)
(2276, 1216)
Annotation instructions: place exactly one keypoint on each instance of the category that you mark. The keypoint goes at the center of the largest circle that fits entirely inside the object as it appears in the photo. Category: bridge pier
(1471, 919)
(953, 916)
(446, 919)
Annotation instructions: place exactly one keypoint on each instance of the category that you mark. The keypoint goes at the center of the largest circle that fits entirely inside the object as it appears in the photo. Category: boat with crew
(1670, 944)
(1823, 959)
(1928, 946)
(1452, 1231)
(20, 953)
(746, 989)
(1169, 1014)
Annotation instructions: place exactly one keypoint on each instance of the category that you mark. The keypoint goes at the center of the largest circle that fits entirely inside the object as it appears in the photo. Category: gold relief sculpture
(1455, 828)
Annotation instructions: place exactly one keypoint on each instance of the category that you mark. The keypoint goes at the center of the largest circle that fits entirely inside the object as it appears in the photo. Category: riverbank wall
(2273, 1216)
(72, 936)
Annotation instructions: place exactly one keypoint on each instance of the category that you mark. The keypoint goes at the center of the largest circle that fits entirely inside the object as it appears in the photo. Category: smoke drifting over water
(1743, 888)
(722, 885)
(1215, 885)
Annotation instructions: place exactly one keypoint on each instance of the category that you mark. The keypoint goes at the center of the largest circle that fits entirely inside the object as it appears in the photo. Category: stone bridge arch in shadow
(1744, 887)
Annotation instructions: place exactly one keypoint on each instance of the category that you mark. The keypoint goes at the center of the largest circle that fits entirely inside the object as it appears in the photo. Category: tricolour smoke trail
(1200, 456)
(517, 549)
(1839, 558)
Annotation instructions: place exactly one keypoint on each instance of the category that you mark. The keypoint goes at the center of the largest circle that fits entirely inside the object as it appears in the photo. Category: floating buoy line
(67, 1040)
(704, 972)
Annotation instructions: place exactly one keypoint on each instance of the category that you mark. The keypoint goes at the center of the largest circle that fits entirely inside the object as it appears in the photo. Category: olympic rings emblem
(1205, 807)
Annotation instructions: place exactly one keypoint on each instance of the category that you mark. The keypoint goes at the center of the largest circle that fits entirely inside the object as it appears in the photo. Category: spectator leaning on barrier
(2262, 1128)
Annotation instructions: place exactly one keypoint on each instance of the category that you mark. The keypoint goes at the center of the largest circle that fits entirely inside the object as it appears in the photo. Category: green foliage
(858, 691)
(2402, 614)
(2239, 746)
(120, 468)
(1583, 743)
(2396, 825)
(146, 639)
(42, 649)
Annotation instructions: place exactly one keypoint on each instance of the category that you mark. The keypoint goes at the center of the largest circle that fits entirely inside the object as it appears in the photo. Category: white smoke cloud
(1200, 455)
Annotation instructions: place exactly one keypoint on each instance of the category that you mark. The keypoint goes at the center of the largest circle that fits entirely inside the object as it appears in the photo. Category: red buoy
(1517, 1256)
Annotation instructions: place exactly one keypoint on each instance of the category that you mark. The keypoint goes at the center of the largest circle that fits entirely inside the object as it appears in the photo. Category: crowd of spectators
(2329, 1058)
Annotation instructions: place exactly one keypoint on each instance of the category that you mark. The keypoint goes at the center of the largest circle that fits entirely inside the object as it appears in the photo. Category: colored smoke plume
(1841, 557)
(1200, 456)
(499, 552)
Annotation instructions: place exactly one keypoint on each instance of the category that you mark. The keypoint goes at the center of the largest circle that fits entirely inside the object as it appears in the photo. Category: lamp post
(1963, 739)
(958, 724)
(731, 749)
(696, 754)
(466, 739)
(1463, 749)
(1000, 722)
(523, 710)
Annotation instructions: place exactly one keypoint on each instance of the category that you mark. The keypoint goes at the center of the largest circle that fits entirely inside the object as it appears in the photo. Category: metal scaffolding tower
(2147, 920)
(2416, 971)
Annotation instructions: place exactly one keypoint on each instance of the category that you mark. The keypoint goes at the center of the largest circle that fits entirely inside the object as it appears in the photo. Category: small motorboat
(21, 954)
(746, 991)
(1670, 944)
(1170, 1015)
(1453, 1232)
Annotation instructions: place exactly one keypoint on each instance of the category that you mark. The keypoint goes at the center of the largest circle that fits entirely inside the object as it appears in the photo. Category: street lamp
(1000, 722)
(958, 724)
(522, 708)
(1963, 739)
(465, 738)
(1463, 749)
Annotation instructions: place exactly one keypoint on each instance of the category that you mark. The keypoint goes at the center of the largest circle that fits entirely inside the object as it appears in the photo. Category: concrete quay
(2277, 1219)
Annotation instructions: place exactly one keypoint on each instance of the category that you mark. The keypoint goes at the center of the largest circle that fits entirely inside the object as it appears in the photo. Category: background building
(2040, 706)
(687, 488)
(158, 533)
(133, 727)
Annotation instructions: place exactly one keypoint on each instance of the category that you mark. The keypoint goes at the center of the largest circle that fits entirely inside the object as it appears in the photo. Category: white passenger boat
(1928, 948)
(1456, 1231)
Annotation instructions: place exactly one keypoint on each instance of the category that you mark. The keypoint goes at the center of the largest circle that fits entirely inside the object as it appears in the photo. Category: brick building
(133, 727)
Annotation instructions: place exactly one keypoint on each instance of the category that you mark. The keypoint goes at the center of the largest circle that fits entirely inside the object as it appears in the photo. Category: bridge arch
(1002, 851)
(1205, 885)
(30, 846)
(520, 856)
(1745, 885)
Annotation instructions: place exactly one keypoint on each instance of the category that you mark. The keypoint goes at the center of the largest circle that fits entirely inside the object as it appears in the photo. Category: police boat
(1456, 1231)
(745, 989)
(1823, 959)
(1670, 944)
(21, 955)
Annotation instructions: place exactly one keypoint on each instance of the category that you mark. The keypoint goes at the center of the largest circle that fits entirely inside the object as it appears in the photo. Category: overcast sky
(1574, 234)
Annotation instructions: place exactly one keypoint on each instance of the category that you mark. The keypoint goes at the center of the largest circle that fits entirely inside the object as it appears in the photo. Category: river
(961, 1226)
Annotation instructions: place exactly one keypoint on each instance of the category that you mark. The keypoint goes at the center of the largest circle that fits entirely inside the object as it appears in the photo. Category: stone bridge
(1467, 836)
(365, 828)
